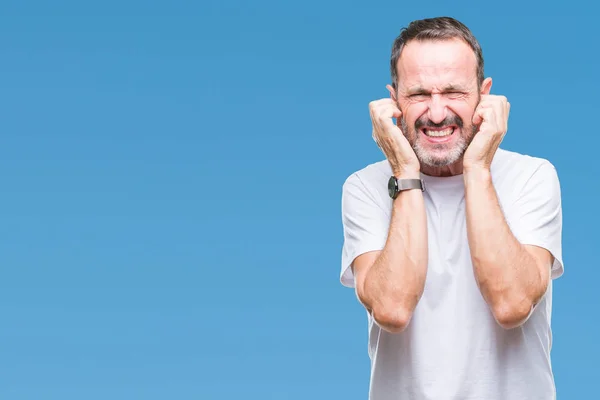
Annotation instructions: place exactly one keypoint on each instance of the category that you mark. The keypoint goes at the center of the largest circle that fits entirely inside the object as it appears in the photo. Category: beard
(442, 154)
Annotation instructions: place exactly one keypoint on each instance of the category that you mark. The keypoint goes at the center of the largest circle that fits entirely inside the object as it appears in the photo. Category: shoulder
(368, 184)
(510, 162)
(516, 175)
(370, 177)
(517, 169)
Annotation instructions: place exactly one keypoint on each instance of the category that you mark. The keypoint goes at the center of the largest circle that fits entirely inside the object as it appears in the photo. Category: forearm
(507, 274)
(394, 283)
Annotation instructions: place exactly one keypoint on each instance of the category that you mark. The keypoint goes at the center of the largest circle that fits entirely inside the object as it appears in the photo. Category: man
(451, 243)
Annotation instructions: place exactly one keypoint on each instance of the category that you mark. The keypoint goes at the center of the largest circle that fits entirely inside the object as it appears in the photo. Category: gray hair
(440, 28)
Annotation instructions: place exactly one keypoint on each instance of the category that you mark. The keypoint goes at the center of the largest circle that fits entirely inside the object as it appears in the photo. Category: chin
(438, 159)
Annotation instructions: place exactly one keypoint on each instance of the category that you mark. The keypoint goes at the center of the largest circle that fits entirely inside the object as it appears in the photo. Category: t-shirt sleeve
(536, 216)
(365, 224)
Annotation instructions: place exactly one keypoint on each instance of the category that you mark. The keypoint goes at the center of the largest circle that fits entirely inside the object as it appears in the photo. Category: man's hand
(492, 117)
(391, 140)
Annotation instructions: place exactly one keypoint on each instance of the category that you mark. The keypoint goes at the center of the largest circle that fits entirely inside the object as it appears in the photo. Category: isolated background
(171, 176)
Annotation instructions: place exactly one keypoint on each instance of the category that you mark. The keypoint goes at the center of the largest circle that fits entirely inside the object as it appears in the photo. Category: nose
(437, 109)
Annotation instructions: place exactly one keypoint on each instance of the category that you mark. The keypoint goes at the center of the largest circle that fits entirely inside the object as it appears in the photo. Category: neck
(448, 170)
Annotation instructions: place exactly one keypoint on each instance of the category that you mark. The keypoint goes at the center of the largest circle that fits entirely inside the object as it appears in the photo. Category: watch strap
(395, 186)
(407, 184)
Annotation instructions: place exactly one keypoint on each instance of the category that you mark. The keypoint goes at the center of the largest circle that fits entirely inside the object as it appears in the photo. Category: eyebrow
(446, 89)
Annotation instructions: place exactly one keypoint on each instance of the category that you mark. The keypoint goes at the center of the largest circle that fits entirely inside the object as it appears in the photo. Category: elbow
(510, 316)
(392, 319)
(391, 316)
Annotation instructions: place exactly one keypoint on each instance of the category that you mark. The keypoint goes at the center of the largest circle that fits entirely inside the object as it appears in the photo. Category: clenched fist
(492, 117)
(391, 140)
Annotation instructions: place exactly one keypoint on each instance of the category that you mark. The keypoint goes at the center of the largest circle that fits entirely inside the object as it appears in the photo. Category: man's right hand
(391, 140)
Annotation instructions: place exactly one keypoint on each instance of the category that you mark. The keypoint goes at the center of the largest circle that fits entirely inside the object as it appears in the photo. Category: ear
(392, 93)
(486, 86)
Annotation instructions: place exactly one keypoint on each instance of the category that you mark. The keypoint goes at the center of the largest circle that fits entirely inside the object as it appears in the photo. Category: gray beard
(440, 156)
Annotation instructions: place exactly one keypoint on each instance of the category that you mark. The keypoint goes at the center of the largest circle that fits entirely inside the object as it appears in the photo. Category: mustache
(449, 120)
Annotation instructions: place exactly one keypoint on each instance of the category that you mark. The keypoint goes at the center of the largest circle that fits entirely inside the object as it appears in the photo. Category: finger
(380, 102)
(499, 111)
(486, 102)
(388, 111)
(383, 118)
(489, 100)
(373, 113)
(377, 107)
(477, 116)
(482, 114)
(395, 121)
(502, 107)
(382, 113)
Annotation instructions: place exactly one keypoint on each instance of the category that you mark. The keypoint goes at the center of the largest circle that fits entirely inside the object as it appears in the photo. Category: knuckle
(382, 118)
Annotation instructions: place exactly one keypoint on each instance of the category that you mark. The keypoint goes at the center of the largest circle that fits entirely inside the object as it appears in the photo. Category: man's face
(438, 94)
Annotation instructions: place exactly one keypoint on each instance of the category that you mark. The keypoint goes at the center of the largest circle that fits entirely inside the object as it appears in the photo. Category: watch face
(392, 189)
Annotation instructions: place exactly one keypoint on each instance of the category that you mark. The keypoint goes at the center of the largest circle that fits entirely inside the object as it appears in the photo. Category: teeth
(445, 132)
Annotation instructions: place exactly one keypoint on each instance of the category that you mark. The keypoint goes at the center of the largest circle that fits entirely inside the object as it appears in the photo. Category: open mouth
(439, 132)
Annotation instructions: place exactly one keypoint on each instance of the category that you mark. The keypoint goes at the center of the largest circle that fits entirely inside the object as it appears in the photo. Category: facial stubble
(438, 155)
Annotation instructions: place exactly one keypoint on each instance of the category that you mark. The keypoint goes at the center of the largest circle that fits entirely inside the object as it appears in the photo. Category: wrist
(475, 166)
(477, 174)
(408, 174)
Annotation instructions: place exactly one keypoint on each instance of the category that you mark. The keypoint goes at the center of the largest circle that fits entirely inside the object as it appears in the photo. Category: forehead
(432, 64)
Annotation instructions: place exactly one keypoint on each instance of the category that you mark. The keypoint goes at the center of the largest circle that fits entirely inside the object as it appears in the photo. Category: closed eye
(454, 94)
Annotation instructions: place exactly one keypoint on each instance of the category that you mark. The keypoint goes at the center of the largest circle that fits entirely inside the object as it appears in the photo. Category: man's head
(437, 80)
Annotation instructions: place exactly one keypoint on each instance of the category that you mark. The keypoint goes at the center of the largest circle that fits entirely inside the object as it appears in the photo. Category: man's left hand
(492, 117)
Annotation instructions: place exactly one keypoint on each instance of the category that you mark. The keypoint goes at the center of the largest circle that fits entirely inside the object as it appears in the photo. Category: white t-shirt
(453, 348)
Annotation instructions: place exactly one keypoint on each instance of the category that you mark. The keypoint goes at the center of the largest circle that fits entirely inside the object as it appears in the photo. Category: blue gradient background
(171, 177)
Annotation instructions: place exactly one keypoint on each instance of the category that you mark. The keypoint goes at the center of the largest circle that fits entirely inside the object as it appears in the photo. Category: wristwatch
(395, 186)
